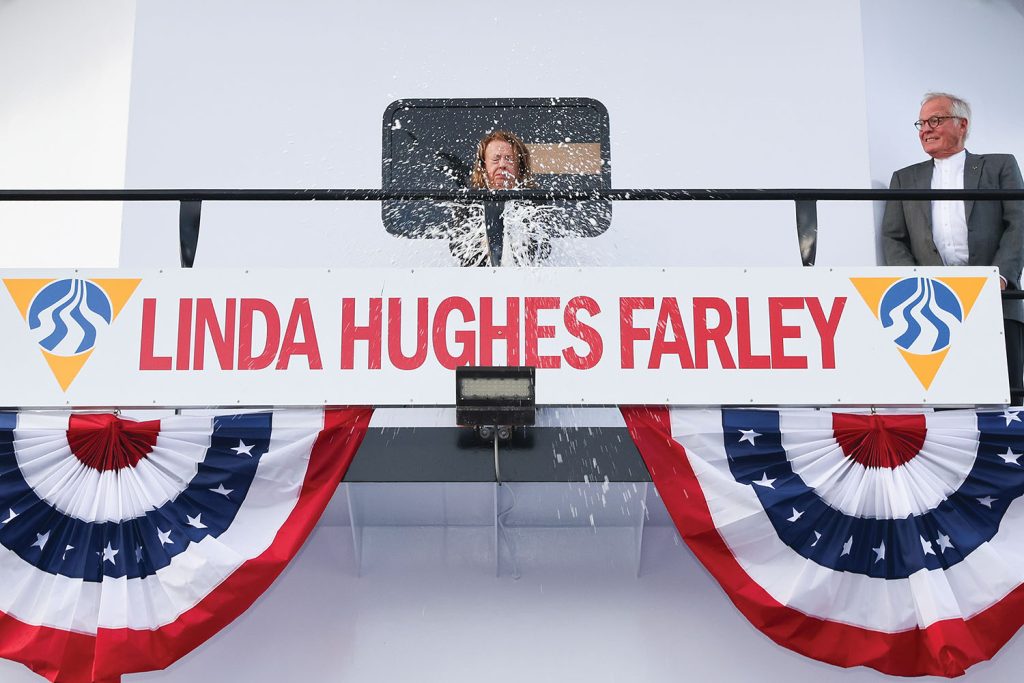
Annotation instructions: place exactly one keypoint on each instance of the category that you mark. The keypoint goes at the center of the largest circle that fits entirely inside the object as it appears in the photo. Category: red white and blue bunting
(124, 545)
(892, 541)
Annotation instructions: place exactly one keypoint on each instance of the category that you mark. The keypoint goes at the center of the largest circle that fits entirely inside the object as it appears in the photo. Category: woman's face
(501, 165)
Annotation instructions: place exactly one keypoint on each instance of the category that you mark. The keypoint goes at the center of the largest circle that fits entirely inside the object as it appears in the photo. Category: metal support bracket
(807, 229)
(188, 230)
(495, 230)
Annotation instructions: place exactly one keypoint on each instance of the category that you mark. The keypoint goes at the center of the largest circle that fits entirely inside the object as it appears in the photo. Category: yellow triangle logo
(967, 288)
(66, 368)
(925, 365)
(23, 290)
(119, 290)
(871, 290)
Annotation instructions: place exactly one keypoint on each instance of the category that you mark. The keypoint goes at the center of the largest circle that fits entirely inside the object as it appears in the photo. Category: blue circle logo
(65, 315)
(920, 314)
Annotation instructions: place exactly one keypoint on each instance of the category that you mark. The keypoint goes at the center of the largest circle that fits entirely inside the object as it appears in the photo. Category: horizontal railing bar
(503, 195)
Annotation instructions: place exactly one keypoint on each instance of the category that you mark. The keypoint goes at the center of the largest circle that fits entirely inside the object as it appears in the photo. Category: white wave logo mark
(65, 316)
(920, 314)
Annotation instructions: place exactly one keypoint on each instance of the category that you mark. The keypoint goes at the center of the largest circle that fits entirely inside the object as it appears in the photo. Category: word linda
(541, 331)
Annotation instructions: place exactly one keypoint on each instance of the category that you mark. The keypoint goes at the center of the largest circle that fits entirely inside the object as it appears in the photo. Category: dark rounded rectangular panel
(430, 144)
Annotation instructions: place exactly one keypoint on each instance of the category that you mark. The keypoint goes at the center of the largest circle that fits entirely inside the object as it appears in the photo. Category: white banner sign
(754, 336)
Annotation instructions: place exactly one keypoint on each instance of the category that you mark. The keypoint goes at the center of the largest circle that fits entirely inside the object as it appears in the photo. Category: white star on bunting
(110, 553)
(64, 555)
(1011, 416)
(13, 514)
(847, 547)
(165, 537)
(41, 540)
(987, 501)
(797, 514)
(926, 546)
(222, 491)
(1009, 457)
(748, 435)
(943, 541)
(243, 449)
(765, 481)
(196, 521)
(817, 537)
(880, 552)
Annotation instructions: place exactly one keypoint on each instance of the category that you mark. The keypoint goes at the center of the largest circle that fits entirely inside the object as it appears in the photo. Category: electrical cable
(503, 533)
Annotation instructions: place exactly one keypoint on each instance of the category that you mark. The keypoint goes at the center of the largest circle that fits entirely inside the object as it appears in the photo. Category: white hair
(958, 107)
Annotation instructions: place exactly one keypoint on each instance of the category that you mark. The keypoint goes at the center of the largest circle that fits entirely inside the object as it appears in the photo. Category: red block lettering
(351, 333)
(703, 334)
(536, 331)
(301, 316)
(489, 332)
(247, 311)
(399, 359)
(780, 333)
(627, 333)
(669, 317)
(223, 338)
(748, 361)
(147, 359)
(827, 328)
(464, 337)
(583, 332)
(184, 334)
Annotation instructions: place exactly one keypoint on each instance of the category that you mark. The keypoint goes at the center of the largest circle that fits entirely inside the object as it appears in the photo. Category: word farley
(542, 331)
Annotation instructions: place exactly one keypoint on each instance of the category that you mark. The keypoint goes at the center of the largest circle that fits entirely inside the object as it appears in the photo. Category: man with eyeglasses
(960, 233)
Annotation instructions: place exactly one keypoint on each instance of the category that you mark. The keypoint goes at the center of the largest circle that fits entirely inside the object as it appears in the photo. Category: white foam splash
(529, 228)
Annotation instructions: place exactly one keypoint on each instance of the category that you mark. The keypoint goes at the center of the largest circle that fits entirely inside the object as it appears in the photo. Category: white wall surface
(736, 93)
(972, 48)
(64, 76)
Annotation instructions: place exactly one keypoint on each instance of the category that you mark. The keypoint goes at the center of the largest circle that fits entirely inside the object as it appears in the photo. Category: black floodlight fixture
(495, 397)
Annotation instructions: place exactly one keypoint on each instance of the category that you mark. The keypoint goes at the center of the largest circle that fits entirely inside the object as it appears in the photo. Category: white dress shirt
(949, 220)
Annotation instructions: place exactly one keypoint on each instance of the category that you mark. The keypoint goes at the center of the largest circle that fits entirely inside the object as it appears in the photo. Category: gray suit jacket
(995, 230)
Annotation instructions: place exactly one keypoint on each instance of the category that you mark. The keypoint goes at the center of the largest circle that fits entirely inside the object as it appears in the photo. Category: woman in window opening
(502, 162)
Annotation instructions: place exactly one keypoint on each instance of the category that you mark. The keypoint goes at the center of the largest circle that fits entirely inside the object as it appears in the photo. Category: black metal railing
(610, 194)
(805, 202)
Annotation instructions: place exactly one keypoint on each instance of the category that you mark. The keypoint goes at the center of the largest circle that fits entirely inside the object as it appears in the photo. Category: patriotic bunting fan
(894, 541)
(124, 545)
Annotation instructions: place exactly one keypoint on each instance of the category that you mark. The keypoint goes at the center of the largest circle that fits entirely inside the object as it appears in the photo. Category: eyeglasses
(933, 122)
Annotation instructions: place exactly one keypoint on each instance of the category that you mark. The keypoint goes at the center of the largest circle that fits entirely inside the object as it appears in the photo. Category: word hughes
(579, 332)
